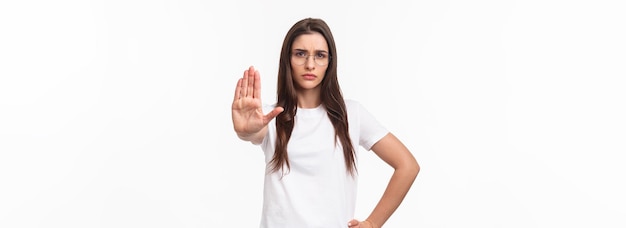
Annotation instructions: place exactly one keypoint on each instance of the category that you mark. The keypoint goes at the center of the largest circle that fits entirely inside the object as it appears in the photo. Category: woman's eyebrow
(303, 50)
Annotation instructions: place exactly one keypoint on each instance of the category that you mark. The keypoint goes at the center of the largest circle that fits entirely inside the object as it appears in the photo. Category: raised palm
(247, 109)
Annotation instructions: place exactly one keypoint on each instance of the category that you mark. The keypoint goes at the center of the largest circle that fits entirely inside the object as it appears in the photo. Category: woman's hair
(331, 96)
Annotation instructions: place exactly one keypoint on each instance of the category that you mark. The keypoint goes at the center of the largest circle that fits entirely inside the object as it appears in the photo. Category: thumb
(273, 113)
(353, 223)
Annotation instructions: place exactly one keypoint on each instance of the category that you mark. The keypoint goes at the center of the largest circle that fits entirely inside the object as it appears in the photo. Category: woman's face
(309, 59)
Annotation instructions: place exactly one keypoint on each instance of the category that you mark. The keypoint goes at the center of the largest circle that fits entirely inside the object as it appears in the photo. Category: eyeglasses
(301, 57)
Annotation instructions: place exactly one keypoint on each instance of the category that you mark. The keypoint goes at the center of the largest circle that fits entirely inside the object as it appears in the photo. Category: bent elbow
(412, 169)
(415, 169)
(409, 169)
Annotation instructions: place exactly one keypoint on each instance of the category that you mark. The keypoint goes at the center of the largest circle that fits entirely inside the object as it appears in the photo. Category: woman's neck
(309, 98)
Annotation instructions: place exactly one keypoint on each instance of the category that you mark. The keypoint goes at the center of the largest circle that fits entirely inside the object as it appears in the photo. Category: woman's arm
(391, 150)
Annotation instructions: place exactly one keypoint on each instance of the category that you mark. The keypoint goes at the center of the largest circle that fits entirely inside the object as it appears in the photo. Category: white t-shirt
(317, 191)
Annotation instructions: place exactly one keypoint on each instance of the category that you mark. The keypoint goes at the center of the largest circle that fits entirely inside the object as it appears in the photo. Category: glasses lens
(301, 59)
(321, 60)
(298, 59)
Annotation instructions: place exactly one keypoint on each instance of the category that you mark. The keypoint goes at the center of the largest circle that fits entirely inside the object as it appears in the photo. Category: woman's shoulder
(354, 106)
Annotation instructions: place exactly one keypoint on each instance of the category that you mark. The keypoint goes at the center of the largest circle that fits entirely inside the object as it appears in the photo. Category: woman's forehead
(312, 41)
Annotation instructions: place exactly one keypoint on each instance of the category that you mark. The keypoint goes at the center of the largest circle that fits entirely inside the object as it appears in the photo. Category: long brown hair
(331, 96)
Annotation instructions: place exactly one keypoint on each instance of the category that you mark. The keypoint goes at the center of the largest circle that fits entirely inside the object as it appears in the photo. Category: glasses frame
(306, 59)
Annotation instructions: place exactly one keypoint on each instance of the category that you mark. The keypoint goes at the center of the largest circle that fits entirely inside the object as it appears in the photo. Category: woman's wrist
(370, 222)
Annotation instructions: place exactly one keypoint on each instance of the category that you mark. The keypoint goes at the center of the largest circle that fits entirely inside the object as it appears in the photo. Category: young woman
(310, 138)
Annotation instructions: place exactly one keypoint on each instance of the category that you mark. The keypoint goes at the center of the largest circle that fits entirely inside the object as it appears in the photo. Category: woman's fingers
(238, 90)
(244, 84)
(251, 81)
(353, 223)
(249, 85)
(257, 84)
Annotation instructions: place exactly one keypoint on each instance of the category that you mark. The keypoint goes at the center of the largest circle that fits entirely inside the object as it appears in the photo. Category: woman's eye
(320, 56)
(300, 54)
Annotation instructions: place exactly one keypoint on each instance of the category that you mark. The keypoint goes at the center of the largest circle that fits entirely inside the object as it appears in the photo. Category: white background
(117, 113)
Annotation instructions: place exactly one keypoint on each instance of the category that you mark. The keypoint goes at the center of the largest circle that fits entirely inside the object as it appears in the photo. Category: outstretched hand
(247, 109)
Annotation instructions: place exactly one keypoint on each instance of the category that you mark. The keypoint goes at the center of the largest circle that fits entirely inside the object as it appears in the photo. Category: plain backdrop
(116, 113)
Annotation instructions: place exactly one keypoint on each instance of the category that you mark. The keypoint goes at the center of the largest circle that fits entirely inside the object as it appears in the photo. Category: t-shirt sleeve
(371, 131)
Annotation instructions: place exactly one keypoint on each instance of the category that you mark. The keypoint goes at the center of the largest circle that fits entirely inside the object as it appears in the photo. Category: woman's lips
(309, 76)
